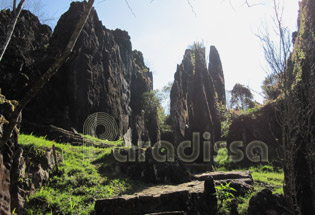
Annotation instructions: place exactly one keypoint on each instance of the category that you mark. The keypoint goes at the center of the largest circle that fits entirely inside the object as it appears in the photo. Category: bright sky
(163, 29)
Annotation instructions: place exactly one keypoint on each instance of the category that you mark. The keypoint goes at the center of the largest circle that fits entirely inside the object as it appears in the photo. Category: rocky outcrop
(28, 44)
(242, 182)
(140, 164)
(51, 132)
(102, 75)
(265, 203)
(197, 197)
(7, 153)
(299, 165)
(193, 97)
(216, 71)
(31, 168)
(261, 125)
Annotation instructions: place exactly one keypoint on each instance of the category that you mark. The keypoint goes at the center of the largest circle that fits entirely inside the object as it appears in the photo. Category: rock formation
(299, 117)
(261, 125)
(102, 75)
(197, 197)
(216, 71)
(7, 154)
(193, 96)
(142, 166)
(27, 46)
(264, 203)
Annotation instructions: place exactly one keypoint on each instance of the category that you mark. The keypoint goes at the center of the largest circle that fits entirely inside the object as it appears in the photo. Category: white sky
(163, 29)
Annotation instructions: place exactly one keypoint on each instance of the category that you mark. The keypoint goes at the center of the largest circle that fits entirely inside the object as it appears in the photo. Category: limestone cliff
(193, 95)
(216, 71)
(102, 75)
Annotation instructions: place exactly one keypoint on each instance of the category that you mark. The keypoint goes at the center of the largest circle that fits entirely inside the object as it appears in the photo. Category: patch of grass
(74, 189)
(267, 176)
(264, 176)
(100, 142)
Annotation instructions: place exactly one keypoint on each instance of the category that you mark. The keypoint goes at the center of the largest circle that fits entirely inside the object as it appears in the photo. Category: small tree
(164, 96)
(270, 87)
(152, 105)
(241, 98)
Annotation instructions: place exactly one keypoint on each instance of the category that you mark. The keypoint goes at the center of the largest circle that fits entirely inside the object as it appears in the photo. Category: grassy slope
(83, 178)
(264, 176)
(78, 184)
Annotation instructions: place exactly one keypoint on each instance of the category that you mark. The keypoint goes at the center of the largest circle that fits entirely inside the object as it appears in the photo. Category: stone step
(196, 197)
(169, 213)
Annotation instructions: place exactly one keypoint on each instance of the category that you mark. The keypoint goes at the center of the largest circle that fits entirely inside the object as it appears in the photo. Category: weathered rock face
(265, 203)
(193, 97)
(143, 125)
(143, 166)
(28, 44)
(262, 126)
(216, 71)
(299, 165)
(102, 75)
(30, 169)
(242, 182)
(6, 156)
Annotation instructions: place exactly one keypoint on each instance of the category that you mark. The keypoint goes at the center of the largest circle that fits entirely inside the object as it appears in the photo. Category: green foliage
(101, 143)
(163, 96)
(264, 176)
(241, 98)
(227, 116)
(224, 192)
(252, 112)
(197, 45)
(152, 106)
(80, 181)
(270, 87)
(222, 158)
(225, 196)
(2, 98)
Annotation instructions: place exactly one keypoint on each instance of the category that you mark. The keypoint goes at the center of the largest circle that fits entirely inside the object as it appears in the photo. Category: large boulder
(241, 181)
(266, 203)
(197, 197)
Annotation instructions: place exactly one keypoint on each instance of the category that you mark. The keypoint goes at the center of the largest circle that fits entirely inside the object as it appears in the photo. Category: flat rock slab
(169, 213)
(194, 186)
(224, 175)
(241, 181)
(196, 197)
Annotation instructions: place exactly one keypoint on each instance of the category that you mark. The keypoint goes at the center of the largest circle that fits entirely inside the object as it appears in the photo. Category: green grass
(85, 176)
(79, 182)
(99, 142)
(264, 176)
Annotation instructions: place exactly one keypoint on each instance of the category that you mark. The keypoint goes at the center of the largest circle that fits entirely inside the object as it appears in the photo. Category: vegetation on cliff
(80, 180)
